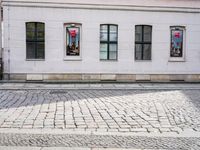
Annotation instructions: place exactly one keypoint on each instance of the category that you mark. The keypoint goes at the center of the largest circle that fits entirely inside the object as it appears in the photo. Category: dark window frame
(108, 42)
(143, 42)
(35, 41)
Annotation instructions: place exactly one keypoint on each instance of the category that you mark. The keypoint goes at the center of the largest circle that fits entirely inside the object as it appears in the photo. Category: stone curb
(100, 88)
(185, 133)
(89, 86)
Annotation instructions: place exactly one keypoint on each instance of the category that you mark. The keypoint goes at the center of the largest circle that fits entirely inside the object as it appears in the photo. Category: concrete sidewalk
(149, 86)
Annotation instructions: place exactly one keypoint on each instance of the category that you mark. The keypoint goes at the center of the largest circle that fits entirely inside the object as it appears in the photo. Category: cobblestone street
(103, 111)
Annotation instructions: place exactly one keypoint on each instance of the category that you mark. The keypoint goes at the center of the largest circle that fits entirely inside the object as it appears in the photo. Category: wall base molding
(105, 77)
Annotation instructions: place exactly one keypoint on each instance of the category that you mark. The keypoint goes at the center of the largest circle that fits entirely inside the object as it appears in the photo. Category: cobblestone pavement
(101, 110)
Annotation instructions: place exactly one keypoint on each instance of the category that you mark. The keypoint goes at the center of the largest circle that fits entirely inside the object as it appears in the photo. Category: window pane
(30, 26)
(103, 36)
(113, 47)
(103, 55)
(103, 51)
(104, 28)
(73, 41)
(103, 32)
(30, 50)
(147, 33)
(113, 37)
(40, 26)
(113, 28)
(30, 35)
(113, 55)
(176, 43)
(147, 52)
(138, 33)
(40, 35)
(40, 50)
(113, 33)
(138, 51)
(104, 47)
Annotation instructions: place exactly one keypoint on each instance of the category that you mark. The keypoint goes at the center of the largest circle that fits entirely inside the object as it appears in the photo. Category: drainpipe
(1, 60)
(0, 34)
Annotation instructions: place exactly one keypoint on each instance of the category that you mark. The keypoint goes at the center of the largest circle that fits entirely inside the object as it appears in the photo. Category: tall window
(72, 39)
(35, 40)
(177, 42)
(108, 42)
(143, 38)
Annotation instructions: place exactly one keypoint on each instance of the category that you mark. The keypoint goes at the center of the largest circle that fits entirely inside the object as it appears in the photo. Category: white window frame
(178, 59)
(78, 58)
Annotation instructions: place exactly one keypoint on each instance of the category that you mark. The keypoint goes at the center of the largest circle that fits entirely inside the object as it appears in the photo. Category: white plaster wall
(54, 18)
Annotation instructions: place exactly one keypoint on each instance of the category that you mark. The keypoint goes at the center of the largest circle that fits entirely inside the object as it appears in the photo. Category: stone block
(34, 77)
(125, 77)
(72, 77)
(53, 77)
(192, 78)
(142, 77)
(91, 77)
(177, 77)
(108, 77)
(160, 78)
(18, 77)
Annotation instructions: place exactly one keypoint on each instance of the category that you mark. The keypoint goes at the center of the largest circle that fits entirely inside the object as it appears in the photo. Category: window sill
(176, 60)
(143, 60)
(72, 59)
(35, 59)
(104, 60)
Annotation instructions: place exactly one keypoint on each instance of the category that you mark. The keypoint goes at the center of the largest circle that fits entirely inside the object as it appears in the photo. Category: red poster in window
(73, 41)
(176, 43)
(73, 33)
(177, 34)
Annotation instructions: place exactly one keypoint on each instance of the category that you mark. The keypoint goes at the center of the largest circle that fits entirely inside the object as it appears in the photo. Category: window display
(72, 40)
(176, 42)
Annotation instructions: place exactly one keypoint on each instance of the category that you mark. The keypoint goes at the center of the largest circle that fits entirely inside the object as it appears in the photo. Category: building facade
(130, 40)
